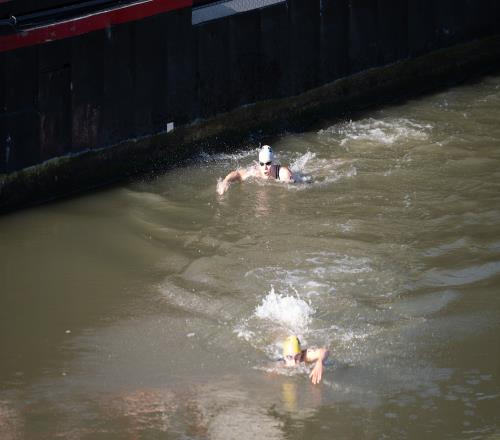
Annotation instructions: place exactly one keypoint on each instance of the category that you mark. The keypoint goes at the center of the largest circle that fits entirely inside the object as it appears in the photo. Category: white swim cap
(266, 154)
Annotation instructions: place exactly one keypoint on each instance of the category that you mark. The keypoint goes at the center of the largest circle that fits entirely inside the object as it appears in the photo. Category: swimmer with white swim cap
(265, 169)
(293, 355)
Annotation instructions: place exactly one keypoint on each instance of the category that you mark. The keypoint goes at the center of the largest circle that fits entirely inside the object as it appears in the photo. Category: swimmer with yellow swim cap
(293, 355)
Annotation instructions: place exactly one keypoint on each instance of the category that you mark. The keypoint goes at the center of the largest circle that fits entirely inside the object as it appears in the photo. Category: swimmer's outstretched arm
(233, 176)
(318, 355)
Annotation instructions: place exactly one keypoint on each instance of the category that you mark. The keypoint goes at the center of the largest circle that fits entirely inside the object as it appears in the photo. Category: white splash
(310, 169)
(300, 163)
(289, 311)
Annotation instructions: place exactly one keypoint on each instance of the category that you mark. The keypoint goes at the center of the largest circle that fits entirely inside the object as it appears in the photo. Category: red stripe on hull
(89, 23)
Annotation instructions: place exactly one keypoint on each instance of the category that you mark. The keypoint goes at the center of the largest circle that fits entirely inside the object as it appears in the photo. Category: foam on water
(334, 263)
(386, 132)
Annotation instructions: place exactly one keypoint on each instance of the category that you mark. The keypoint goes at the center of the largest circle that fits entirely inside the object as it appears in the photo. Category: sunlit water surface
(156, 309)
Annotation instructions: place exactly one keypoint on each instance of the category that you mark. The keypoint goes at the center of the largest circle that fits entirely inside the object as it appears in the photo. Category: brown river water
(156, 309)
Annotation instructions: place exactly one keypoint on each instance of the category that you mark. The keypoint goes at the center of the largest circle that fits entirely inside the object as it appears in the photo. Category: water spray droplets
(292, 313)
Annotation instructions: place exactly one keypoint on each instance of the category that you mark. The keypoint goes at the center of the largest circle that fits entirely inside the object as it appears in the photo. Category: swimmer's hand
(317, 373)
(318, 355)
(222, 187)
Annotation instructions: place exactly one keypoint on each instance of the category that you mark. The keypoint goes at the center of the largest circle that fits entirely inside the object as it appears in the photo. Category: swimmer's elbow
(324, 353)
(233, 176)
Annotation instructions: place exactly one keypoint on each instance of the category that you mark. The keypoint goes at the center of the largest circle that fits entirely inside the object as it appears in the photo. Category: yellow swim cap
(291, 346)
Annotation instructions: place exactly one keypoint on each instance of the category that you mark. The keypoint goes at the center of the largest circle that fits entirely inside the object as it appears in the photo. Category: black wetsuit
(277, 171)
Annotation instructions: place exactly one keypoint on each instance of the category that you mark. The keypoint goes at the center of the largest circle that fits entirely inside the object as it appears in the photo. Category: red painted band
(89, 23)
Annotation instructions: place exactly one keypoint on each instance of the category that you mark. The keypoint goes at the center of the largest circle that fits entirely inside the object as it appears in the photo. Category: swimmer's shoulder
(285, 174)
(314, 353)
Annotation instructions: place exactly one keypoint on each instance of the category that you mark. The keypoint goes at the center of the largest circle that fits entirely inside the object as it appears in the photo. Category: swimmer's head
(266, 155)
(291, 350)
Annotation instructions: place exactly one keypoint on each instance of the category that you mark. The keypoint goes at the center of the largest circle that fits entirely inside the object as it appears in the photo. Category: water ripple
(459, 277)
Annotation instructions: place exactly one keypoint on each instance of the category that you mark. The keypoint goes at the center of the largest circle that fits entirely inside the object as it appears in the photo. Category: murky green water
(156, 309)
